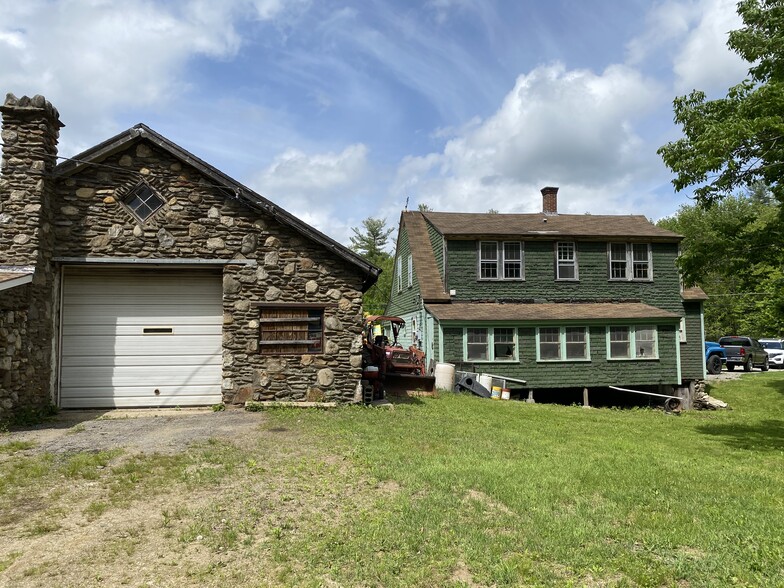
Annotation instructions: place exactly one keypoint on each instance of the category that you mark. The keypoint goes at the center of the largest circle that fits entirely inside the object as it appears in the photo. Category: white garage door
(141, 338)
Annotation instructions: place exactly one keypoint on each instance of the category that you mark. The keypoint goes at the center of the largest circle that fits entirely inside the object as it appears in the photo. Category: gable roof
(431, 286)
(468, 224)
(556, 311)
(252, 199)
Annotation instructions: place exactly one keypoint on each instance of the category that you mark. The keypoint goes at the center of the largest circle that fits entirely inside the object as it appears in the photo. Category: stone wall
(30, 133)
(204, 220)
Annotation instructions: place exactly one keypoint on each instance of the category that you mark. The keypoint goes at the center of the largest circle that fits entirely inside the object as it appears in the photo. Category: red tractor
(387, 368)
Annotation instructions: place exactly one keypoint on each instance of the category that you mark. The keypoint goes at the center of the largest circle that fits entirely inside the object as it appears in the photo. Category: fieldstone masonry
(79, 213)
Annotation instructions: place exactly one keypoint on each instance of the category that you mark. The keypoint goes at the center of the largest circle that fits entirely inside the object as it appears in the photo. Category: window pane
(645, 339)
(513, 270)
(488, 260)
(618, 261)
(476, 344)
(641, 261)
(619, 342)
(567, 266)
(512, 251)
(549, 343)
(576, 347)
(503, 344)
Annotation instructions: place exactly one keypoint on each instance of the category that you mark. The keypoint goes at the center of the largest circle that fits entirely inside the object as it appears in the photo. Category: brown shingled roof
(465, 224)
(552, 311)
(431, 287)
(695, 293)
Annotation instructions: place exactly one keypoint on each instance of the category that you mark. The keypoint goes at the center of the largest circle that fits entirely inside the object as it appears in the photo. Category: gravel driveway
(136, 431)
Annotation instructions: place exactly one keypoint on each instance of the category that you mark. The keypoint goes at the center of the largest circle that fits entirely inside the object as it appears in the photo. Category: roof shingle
(465, 224)
(551, 311)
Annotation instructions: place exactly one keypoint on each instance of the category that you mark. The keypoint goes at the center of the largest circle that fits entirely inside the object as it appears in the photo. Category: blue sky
(340, 110)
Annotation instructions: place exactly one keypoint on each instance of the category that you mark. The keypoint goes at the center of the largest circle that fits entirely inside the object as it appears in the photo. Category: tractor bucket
(402, 385)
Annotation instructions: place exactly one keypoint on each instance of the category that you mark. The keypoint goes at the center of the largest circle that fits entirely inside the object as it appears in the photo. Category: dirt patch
(142, 431)
(487, 501)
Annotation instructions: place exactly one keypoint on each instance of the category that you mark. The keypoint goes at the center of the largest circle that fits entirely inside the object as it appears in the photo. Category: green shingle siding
(540, 283)
(598, 372)
(407, 300)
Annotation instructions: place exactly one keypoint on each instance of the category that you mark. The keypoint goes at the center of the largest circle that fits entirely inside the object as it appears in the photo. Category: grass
(552, 495)
(449, 491)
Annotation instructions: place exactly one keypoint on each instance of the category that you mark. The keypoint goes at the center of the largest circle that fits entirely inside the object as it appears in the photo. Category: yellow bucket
(495, 394)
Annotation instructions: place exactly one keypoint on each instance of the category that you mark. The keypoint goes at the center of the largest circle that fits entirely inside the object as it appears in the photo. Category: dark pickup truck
(745, 352)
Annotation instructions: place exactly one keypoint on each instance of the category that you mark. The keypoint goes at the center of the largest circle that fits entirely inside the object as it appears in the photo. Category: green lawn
(452, 491)
(520, 494)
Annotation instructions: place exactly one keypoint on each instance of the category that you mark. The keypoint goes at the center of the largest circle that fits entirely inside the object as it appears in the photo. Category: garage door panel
(107, 359)
(173, 399)
(142, 376)
(139, 330)
(108, 345)
(102, 314)
(138, 360)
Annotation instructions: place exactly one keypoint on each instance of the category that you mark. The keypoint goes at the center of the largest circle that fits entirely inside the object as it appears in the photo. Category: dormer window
(143, 201)
(501, 260)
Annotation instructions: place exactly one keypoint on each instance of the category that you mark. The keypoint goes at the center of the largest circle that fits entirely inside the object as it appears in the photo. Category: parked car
(744, 352)
(715, 357)
(775, 349)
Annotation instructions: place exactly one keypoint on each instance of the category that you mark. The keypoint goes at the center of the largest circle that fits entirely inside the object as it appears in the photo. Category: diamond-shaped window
(143, 201)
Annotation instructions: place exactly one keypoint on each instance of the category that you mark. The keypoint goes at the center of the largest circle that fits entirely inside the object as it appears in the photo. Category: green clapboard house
(557, 300)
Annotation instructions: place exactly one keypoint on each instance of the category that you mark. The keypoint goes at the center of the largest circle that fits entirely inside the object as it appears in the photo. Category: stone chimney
(550, 200)
(31, 128)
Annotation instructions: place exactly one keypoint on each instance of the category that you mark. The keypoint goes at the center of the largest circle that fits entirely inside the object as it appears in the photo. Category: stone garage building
(135, 274)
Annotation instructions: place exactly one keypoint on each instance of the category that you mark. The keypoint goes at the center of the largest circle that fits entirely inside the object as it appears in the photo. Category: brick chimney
(550, 200)
(31, 128)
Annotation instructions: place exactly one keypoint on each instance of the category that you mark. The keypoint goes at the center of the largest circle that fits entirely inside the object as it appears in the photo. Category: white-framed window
(566, 261)
(490, 344)
(410, 271)
(632, 342)
(501, 260)
(399, 272)
(563, 344)
(630, 261)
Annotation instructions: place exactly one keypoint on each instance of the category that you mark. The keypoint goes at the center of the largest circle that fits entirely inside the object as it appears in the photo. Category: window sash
(490, 344)
(563, 344)
(630, 261)
(633, 342)
(566, 260)
(501, 260)
(399, 271)
(410, 271)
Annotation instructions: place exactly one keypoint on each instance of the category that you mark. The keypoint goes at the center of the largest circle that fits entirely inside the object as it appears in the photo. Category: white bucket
(506, 394)
(445, 376)
(486, 381)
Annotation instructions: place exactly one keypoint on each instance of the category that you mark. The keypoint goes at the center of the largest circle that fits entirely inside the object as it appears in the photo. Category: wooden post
(586, 404)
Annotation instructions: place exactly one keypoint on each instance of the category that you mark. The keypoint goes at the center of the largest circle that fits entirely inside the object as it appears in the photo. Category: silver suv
(775, 349)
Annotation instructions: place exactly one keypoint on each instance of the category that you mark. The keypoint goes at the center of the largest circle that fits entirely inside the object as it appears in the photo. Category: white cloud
(93, 58)
(691, 36)
(318, 188)
(569, 128)
(704, 61)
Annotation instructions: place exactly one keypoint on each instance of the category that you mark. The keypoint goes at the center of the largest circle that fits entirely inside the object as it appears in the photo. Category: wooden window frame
(631, 265)
(566, 262)
(563, 353)
(305, 343)
(490, 344)
(633, 346)
(500, 262)
(410, 271)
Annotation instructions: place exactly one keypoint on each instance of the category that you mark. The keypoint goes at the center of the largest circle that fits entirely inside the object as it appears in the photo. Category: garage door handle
(158, 330)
